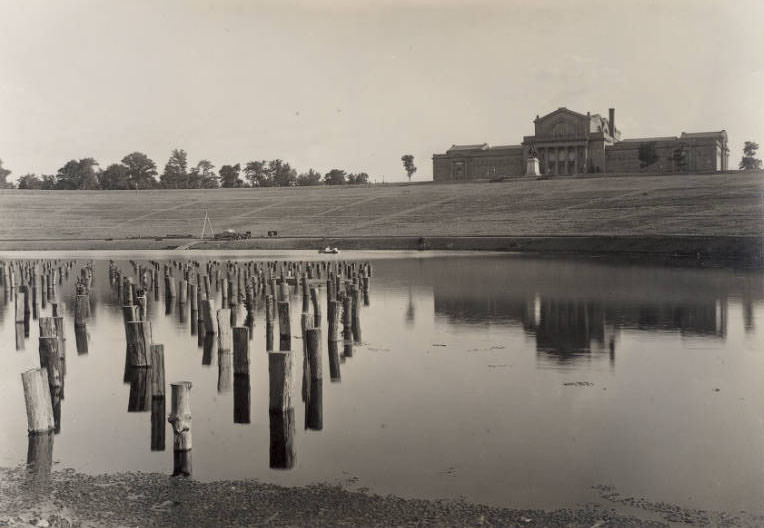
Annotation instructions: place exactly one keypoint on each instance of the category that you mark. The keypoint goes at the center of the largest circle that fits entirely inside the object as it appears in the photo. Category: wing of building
(568, 143)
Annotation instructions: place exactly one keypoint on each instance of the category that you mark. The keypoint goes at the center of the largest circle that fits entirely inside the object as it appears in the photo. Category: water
(503, 379)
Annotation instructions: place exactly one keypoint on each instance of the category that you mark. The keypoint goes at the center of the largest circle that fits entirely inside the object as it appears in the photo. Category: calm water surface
(503, 379)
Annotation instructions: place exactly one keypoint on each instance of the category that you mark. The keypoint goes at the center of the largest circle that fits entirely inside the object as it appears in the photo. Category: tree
(141, 171)
(281, 174)
(360, 178)
(229, 176)
(256, 174)
(115, 177)
(175, 175)
(78, 175)
(647, 154)
(203, 176)
(49, 182)
(749, 160)
(4, 173)
(312, 177)
(335, 177)
(29, 181)
(408, 165)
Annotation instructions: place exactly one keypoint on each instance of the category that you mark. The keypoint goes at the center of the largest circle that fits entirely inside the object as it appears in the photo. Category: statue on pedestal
(532, 163)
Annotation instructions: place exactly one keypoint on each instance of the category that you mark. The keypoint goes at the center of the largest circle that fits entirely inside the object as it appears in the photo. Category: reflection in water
(81, 338)
(282, 439)
(334, 362)
(158, 423)
(314, 411)
(210, 347)
(578, 312)
(40, 457)
(140, 389)
(241, 398)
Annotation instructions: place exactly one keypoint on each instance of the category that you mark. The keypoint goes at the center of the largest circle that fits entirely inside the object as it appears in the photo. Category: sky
(355, 85)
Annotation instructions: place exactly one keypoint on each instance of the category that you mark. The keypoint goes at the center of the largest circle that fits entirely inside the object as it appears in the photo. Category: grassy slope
(692, 205)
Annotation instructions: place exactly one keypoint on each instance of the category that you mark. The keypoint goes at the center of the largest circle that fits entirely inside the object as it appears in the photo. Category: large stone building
(569, 143)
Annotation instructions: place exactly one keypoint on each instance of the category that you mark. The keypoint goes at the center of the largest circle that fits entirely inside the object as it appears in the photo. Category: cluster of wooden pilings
(240, 288)
(33, 285)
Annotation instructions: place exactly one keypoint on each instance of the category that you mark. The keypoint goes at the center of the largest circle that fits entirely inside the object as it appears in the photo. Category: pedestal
(532, 167)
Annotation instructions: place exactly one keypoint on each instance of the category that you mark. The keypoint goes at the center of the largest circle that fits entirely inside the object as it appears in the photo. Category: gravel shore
(70, 499)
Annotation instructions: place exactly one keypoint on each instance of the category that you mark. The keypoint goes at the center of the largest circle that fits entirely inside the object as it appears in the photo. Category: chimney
(612, 122)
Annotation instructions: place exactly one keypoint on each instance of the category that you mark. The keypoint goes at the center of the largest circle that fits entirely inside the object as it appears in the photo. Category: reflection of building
(570, 143)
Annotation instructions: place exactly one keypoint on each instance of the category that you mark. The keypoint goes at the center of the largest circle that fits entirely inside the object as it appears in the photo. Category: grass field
(712, 205)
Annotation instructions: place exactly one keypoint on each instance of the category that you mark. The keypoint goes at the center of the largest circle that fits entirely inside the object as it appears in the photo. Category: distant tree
(141, 171)
(78, 175)
(229, 176)
(115, 177)
(175, 175)
(312, 177)
(647, 154)
(408, 165)
(281, 174)
(749, 160)
(203, 176)
(360, 178)
(256, 173)
(4, 173)
(335, 177)
(29, 181)
(49, 182)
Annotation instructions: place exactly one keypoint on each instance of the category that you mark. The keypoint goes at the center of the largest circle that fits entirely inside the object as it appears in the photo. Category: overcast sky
(325, 84)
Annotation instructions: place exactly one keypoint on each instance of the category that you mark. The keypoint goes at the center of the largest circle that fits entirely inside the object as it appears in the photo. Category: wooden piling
(224, 329)
(280, 381)
(138, 343)
(241, 398)
(157, 371)
(180, 418)
(38, 401)
(334, 362)
(284, 324)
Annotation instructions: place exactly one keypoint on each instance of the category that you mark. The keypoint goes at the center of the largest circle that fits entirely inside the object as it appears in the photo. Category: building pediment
(562, 123)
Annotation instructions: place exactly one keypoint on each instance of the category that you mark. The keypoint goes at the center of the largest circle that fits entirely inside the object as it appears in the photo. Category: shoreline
(745, 249)
(35, 497)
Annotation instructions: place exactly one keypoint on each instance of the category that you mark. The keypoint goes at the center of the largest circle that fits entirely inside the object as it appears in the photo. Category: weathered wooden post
(316, 307)
(180, 418)
(81, 309)
(224, 329)
(241, 398)
(280, 381)
(209, 348)
(182, 291)
(313, 404)
(138, 343)
(347, 332)
(38, 401)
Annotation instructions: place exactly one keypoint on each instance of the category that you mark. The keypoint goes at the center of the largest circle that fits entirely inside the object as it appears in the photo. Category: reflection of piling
(81, 339)
(40, 456)
(38, 401)
(157, 423)
(355, 321)
(334, 362)
(180, 418)
(208, 316)
(241, 391)
(282, 439)
(347, 332)
(314, 414)
(284, 324)
(331, 320)
(209, 348)
(140, 390)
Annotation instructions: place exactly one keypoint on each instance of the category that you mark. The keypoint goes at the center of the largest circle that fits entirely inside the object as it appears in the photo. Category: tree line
(138, 171)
